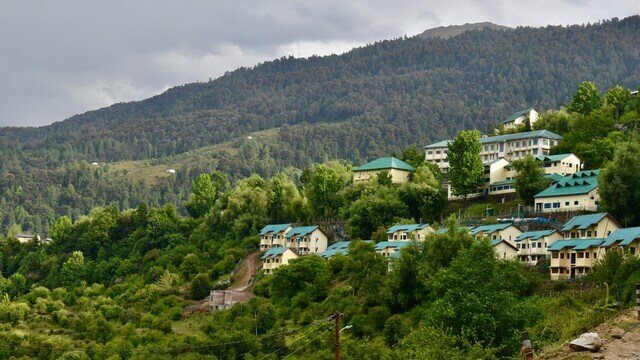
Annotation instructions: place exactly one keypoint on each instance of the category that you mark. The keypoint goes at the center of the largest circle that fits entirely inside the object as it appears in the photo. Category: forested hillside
(369, 102)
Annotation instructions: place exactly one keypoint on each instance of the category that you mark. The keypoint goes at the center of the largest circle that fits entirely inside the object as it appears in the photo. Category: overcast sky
(64, 57)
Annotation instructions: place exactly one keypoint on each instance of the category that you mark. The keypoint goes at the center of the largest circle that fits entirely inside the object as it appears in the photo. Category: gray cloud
(65, 57)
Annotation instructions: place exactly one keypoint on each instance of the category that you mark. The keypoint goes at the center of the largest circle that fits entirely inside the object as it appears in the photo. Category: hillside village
(572, 249)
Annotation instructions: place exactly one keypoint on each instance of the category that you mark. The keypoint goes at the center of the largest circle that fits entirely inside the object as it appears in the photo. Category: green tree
(74, 269)
(370, 211)
(617, 100)
(61, 229)
(324, 189)
(303, 280)
(619, 183)
(413, 156)
(530, 178)
(586, 99)
(204, 192)
(465, 164)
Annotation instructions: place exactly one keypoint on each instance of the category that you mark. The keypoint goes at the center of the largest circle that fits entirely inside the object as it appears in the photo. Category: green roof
(534, 235)
(397, 245)
(439, 144)
(406, 227)
(490, 228)
(582, 222)
(520, 136)
(554, 177)
(300, 231)
(385, 163)
(274, 228)
(514, 116)
(623, 236)
(575, 244)
(273, 252)
(581, 182)
(503, 182)
(550, 158)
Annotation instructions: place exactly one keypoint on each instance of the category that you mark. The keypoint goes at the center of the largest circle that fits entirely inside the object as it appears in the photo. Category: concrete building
(504, 231)
(276, 257)
(272, 236)
(389, 248)
(407, 232)
(399, 170)
(520, 119)
(577, 192)
(590, 226)
(533, 245)
(504, 249)
(573, 257)
(306, 240)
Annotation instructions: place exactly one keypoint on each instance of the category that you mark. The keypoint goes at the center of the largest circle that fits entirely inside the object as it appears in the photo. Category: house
(589, 226)
(510, 147)
(578, 191)
(399, 170)
(532, 245)
(494, 174)
(388, 248)
(340, 247)
(25, 238)
(504, 231)
(505, 249)
(407, 232)
(627, 239)
(306, 240)
(437, 154)
(273, 236)
(276, 257)
(520, 118)
(573, 257)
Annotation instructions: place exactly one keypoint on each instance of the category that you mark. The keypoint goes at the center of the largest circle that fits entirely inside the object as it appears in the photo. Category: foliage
(619, 182)
(530, 178)
(586, 99)
(466, 171)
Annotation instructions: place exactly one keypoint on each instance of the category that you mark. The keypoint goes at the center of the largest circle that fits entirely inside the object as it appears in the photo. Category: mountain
(370, 102)
(445, 32)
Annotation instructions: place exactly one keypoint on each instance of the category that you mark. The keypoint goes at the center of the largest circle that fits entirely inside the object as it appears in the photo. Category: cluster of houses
(571, 189)
(573, 250)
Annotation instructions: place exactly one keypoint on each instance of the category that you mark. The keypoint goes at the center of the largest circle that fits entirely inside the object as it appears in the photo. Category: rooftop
(300, 231)
(385, 163)
(391, 244)
(623, 237)
(498, 241)
(581, 182)
(575, 244)
(439, 144)
(273, 252)
(582, 222)
(274, 228)
(534, 235)
(490, 228)
(514, 116)
(520, 136)
(406, 227)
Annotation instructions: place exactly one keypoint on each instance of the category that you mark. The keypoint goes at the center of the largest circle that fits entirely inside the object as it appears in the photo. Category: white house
(407, 232)
(306, 240)
(577, 192)
(532, 245)
(520, 118)
(272, 236)
(276, 257)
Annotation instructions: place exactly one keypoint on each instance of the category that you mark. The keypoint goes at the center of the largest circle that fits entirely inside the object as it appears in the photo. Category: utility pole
(336, 317)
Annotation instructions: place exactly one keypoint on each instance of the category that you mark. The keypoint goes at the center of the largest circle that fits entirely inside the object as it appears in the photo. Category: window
(594, 255)
(545, 141)
(576, 202)
(588, 233)
(556, 205)
(547, 205)
(580, 255)
(566, 203)
(501, 147)
(586, 255)
(554, 270)
(430, 152)
(534, 152)
(554, 255)
(561, 255)
(437, 152)
(535, 141)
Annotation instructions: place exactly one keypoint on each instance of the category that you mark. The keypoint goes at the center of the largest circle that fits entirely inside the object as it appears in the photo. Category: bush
(200, 287)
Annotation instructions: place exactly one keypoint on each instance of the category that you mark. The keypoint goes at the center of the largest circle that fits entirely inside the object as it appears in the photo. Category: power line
(284, 346)
(310, 341)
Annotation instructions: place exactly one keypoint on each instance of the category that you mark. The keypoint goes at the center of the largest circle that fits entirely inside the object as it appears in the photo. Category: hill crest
(446, 32)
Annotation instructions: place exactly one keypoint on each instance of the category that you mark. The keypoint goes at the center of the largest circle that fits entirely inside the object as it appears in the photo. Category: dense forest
(369, 102)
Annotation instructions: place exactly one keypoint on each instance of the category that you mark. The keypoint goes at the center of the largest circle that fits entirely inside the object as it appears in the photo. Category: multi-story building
(520, 119)
(306, 240)
(389, 248)
(399, 170)
(505, 249)
(407, 232)
(510, 147)
(272, 236)
(573, 257)
(590, 226)
(276, 257)
(576, 192)
(504, 231)
(532, 245)
(626, 239)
